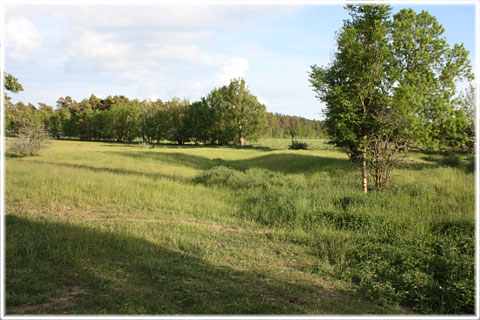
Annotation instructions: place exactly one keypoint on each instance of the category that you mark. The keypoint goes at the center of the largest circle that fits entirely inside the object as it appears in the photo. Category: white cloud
(146, 51)
(235, 68)
(22, 38)
(92, 51)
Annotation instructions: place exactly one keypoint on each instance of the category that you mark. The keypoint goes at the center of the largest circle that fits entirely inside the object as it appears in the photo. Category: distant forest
(118, 118)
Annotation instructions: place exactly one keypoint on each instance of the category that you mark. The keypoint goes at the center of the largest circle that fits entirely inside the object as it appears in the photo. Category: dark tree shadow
(114, 273)
(166, 145)
(437, 159)
(280, 162)
(293, 163)
(174, 158)
(121, 171)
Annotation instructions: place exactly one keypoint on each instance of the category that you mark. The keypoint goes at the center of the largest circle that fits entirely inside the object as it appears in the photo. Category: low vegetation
(116, 228)
(30, 139)
(298, 145)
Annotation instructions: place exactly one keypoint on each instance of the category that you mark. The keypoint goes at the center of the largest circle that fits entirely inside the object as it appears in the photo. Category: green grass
(106, 228)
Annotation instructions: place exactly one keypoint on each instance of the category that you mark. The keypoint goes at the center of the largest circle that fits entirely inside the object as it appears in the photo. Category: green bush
(297, 145)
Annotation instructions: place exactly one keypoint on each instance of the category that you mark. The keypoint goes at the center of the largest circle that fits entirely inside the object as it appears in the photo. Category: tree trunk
(364, 171)
(242, 141)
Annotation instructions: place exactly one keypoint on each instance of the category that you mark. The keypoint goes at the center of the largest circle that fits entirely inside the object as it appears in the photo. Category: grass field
(106, 228)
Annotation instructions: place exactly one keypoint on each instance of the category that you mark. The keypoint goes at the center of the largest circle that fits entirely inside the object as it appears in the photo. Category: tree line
(227, 115)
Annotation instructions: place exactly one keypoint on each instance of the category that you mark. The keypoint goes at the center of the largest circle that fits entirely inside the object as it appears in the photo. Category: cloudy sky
(169, 50)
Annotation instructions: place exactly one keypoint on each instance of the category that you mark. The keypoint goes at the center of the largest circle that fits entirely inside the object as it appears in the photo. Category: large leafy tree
(239, 115)
(390, 85)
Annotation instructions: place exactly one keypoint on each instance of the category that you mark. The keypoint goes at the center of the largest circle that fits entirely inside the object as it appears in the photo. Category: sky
(166, 50)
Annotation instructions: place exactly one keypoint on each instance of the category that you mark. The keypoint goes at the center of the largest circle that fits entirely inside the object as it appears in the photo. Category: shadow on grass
(166, 145)
(54, 267)
(280, 162)
(153, 176)
(293, 163)
(174, 158)
(436, 159)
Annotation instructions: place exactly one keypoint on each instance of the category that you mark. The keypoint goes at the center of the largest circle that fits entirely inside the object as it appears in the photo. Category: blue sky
(166, 51)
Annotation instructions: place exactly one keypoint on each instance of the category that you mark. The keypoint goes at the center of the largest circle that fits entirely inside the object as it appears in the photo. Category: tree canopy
(215, 119)
(390, 86)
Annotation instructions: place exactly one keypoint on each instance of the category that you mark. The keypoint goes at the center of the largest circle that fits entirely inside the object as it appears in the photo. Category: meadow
(110, 228)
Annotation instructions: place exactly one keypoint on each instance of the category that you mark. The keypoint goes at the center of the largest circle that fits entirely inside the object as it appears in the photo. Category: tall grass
(413, 244)
(235, 230)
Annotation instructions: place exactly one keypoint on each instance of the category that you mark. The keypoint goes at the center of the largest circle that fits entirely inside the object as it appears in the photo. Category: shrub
(30, 139)
(297, 145)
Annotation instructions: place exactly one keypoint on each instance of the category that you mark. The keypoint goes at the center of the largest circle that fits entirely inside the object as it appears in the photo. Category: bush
(30, 139)
(297, 145)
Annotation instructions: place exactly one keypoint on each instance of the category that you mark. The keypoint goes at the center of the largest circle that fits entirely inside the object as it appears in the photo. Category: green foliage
(466, 104)
(238, 114)
(11, 83)
(297, 145)
(278, 126)
(212, 120)
(433, 274)
(124, 121)
(386, 89)
(177, 131)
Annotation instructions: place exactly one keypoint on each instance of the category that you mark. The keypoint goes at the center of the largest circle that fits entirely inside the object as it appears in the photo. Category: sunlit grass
(137, 230)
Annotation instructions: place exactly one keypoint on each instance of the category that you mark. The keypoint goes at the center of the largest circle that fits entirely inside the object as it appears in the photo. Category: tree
(238, 113)
(295, 128)
(125, 121)
(176, 111)
(391, 85)
(199, 121)
(11, 119)
(466, 103)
